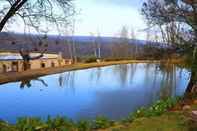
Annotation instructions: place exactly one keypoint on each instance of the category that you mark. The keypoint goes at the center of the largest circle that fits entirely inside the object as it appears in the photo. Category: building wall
(17, 65)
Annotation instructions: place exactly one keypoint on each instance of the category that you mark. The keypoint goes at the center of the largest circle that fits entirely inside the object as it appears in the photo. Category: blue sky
(108, 16)
(105, 17)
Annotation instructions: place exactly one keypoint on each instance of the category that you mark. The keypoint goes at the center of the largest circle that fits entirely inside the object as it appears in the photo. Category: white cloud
(108, 19)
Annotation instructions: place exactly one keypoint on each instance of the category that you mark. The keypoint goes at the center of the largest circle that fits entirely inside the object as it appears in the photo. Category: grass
(166, 122)
(173, 119)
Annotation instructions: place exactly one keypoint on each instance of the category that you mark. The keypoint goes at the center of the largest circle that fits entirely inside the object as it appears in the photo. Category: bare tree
(74, 50)
(169, 12)
(133, 37)
(124, 41)
(34, 12)
(98, 44)
(94, 45)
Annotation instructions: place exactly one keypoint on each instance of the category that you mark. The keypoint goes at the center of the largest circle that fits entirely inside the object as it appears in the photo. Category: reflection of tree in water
(148, 73)
(96, 74)
(61, 80)
(133, 68)
(163, 76)
(27, 82)
(168, 81)
(122, 73)
(151, 75)
(67, 80)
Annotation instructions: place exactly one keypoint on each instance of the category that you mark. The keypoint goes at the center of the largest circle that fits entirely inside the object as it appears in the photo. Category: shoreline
(16, 76)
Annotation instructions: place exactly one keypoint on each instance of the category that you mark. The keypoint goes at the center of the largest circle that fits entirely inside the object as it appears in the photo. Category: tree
(133, 37)
(26, 58)
(165, 12)
(98, 44)
(182, 12)
(124, 41)
(34, 12)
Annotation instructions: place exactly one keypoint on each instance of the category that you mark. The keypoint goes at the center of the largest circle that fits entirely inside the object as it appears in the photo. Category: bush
(156, 109)
(101, 122)
(29, 124)
(90, 59)
(84, 125)
(60, 123)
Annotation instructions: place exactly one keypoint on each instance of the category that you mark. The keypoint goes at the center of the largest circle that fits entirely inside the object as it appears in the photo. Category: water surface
(112, 91)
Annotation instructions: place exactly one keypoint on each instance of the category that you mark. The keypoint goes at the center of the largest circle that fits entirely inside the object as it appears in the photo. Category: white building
(12, 62)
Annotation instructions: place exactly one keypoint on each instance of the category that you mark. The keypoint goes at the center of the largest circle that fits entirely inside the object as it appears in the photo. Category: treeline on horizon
(85, 47)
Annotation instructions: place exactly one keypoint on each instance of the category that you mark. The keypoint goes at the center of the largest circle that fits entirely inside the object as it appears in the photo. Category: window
(42, 65)
(52, 64)
(4, 68)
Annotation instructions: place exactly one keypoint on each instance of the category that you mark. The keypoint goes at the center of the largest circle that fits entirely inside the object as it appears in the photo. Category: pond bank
(181, 117)
(16, 76)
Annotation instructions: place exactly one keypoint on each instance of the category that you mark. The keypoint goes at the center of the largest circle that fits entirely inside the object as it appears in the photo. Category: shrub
(84, 125)
(90, 59)
(60, 123)
(29, 124)
(156, 109)
(101, 122)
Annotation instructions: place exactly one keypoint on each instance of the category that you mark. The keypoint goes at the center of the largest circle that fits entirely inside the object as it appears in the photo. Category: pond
(112, 91)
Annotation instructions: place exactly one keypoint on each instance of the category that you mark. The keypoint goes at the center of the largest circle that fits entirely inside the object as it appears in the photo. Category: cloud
(125, 3)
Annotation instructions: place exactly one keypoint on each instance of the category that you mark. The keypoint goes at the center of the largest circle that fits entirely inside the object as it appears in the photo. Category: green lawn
(170, 121)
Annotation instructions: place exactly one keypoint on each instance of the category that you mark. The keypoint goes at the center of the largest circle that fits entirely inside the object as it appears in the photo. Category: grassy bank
(16, 76)
(160, 116)
(179, 117)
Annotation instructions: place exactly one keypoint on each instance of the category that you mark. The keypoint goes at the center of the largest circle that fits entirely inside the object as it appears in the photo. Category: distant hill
(54, 44)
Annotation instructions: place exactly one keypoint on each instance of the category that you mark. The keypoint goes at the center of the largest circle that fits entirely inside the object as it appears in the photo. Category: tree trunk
(26, 65)
(193, 79)
(192, 83)
(26, 59)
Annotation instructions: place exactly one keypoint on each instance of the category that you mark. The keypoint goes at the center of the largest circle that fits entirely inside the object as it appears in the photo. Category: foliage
(84, 125)
(156, 109)
(102, 122)
(90, 59)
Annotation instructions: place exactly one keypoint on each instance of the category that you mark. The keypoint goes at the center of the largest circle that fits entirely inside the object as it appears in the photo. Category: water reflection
(95, 74)
(27, 82)
(113, 91)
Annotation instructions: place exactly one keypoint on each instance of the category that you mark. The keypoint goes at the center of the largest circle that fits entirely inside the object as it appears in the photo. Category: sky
(107, 17)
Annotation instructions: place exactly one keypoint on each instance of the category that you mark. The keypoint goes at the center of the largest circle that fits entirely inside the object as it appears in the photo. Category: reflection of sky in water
(113, 91)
